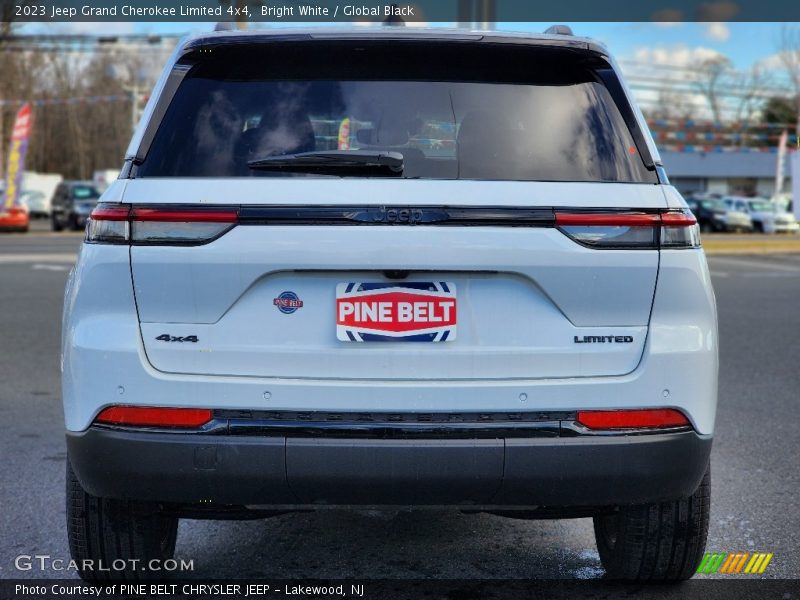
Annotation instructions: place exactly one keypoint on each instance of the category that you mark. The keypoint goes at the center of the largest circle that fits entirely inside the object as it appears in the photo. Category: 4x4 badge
(165, 337)
(288, 302)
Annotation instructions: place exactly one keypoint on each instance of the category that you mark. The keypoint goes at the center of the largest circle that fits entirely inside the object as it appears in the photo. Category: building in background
(747, 173)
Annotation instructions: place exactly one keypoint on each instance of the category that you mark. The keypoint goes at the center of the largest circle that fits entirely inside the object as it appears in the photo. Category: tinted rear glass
(548, 123)
(84, 192)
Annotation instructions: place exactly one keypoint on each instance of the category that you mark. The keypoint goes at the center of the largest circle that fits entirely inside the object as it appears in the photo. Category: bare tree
(712, 74)
(8, 13)
(670, 103)
(749, 86)
(10, 73)
(82, 108)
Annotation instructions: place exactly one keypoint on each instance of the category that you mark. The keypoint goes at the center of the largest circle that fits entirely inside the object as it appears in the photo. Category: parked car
(15, 218)
(762, 212)
(785, 221)
(263, 318)
(733, 217)
(710, 213)
(72, 204)
(103, 177)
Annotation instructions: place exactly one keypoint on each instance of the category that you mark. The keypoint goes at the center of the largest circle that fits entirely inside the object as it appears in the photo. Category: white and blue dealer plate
(396, 312)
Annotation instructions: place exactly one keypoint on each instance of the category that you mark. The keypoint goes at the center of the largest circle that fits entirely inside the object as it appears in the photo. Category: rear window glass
(542, 127)
(84, 193)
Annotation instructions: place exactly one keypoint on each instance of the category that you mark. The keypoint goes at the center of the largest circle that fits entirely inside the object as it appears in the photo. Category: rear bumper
(545, 470)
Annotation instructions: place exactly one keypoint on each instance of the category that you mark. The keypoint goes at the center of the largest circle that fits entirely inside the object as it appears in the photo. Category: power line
(86, 43)
(657, 85)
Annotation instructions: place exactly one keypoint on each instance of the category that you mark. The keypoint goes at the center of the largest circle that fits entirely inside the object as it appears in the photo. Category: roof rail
(559, 30)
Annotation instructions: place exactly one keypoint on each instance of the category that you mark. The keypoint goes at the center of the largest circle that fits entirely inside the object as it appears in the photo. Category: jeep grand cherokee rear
(406, 269)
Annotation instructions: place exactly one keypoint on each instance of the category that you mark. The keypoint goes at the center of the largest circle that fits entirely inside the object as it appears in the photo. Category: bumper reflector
(632, 419)
(154, 416)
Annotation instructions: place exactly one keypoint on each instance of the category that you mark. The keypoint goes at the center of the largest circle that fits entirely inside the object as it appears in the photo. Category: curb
(713, 247)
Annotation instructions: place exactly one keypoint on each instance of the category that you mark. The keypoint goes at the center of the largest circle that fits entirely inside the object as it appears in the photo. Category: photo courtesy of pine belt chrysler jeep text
(391, 269)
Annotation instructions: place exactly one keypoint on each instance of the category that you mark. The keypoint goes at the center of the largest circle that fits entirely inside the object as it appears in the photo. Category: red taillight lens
(632, 419)
(671, 229)
(194, 225)
(180, 226)
(610, 229)
(155, 416)
(185, 216)
(110, 213)
(608, 219)
(678, 219)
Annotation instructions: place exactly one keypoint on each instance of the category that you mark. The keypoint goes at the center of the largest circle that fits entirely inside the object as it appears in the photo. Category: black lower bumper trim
(240, 470)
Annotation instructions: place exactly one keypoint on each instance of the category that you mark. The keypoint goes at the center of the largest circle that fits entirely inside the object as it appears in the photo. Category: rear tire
(55, 224)
(105, 530)
(664, 541)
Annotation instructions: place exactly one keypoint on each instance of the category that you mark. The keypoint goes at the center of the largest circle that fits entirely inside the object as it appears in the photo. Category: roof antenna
(559, 30)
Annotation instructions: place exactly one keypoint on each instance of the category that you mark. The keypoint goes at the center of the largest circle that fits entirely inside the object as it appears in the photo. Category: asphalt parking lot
(755, 458)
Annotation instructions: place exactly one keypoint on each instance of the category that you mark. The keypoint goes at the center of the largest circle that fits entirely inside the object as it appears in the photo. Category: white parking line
(759, 265)
(38, 258)
(41, 267)
(771, 274)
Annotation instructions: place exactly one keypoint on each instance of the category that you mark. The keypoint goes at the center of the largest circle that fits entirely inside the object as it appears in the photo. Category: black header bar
(467, 12)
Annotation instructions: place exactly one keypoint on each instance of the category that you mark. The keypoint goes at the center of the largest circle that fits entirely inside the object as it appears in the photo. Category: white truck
(37, 191)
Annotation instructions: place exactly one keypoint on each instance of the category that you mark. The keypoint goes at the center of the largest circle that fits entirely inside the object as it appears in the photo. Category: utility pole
(136, 97)
(134, 107)
(478, 14)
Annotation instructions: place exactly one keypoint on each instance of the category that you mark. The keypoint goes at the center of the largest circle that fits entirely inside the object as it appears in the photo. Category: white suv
(767, 216)
(391, 268)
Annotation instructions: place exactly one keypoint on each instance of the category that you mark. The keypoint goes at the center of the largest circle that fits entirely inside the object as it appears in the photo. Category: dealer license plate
(396, 312)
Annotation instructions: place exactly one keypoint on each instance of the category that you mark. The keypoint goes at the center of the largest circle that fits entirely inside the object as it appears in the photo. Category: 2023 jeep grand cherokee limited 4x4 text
(391, 269)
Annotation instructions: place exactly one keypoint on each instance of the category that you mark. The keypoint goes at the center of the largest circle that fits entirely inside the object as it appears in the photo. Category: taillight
(196, 225)
(634, 230)
(679, 230)
(109, 224)
(154, 416)
(647, 418)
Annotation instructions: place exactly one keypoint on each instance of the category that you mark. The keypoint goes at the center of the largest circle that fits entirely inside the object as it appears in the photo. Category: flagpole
(779, 167)
(2, 145)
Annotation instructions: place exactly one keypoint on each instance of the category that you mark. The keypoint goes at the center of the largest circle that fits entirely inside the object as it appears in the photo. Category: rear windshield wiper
(334, 162)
